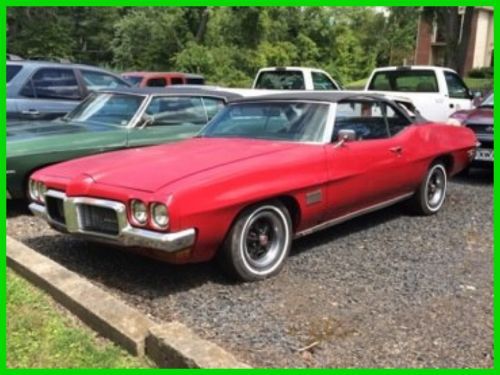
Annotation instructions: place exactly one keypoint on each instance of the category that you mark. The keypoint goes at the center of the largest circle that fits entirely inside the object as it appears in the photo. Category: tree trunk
(457, 34)
(463, 44)
(450, 19)
(200, 34)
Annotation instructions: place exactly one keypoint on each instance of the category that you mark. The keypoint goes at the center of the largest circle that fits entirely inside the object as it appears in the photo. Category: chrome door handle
(31, 112)
(396, 150)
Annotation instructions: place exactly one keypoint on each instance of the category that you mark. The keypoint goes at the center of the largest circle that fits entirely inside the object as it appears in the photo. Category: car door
(459, 96)
(48, 94)
(367, 171)
(168, 119)
(322, 82)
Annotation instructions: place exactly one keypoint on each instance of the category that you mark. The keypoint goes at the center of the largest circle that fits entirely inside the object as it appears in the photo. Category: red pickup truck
(162, 79)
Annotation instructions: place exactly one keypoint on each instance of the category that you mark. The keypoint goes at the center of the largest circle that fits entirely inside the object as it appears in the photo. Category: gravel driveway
(383, 290)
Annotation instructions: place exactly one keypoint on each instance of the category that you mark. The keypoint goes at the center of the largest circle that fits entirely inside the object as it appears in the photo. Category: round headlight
(139, 211)
(42, 189)
(160, 215)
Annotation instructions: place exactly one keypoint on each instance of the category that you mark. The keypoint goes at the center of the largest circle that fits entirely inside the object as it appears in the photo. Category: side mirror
(146, 120)
(477, 98)
(345, 135)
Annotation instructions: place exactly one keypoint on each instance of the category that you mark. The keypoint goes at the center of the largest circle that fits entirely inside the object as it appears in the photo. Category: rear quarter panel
(424, 143)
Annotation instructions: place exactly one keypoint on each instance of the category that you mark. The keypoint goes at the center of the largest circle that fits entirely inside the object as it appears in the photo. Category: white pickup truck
(294, 78)
(435, 91)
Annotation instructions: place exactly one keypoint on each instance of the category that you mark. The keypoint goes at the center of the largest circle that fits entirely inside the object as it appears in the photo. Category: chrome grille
(55, 209)
(98, 219)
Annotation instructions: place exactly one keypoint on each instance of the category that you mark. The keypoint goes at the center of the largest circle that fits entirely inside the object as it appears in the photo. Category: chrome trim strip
(330, 125)
(351, 215)
(55, 194)
(11, 171)
(127, 235)
(134, 121)
(8, 195)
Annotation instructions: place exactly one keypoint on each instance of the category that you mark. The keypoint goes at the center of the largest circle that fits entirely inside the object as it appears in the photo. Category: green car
(105, 121)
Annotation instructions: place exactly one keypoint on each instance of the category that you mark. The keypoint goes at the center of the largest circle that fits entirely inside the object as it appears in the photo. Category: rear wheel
(258, 243)
(431, 194)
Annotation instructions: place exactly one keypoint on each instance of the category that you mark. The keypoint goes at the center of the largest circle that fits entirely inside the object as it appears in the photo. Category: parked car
(12, 57)
(159, 79)
(437, 92)
(41, 90)
(480, 121)
(264, 171)
(294, 78)
(108, 120)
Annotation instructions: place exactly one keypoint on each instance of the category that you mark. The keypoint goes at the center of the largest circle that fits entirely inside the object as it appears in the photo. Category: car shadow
(349, 227)
(135, 274)
(475, 176)
(124, 271)
(17, 207)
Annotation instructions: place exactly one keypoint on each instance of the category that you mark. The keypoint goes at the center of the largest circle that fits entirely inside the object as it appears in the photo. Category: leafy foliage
(226, 44)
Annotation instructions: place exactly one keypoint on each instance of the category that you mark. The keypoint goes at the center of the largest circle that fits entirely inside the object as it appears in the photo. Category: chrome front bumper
(127, 235)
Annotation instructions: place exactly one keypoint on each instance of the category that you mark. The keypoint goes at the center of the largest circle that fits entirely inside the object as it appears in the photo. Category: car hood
(21, 131)
(480, 115)
(151, 168)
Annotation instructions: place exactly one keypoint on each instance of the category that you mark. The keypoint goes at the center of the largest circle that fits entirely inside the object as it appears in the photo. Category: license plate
(484, 154)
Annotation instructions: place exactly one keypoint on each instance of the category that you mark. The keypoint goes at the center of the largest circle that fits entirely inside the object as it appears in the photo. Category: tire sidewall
(242, 268)
(423, 191)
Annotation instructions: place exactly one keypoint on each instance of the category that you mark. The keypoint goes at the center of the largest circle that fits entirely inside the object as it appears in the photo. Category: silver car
(41, 90)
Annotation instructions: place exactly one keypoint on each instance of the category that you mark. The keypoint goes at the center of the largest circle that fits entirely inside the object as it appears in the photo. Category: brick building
(430, 48)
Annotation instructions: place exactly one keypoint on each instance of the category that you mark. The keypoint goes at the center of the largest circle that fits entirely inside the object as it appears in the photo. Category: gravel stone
(384, 290)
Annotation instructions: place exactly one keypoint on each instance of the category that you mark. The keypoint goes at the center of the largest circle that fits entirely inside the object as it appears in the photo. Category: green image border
(3, 319)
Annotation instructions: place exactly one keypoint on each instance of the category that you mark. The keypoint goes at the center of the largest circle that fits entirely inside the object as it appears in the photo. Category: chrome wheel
(265, 240)
(435, 187)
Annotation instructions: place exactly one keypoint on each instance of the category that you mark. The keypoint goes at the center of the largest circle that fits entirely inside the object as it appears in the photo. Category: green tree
(39, 32)
(226, 44)
(148, 38)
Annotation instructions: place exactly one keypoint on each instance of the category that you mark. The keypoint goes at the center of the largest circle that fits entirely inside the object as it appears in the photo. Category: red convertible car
(264, 171)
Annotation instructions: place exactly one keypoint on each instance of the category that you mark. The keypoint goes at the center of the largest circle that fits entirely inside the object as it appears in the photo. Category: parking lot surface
(385, 290)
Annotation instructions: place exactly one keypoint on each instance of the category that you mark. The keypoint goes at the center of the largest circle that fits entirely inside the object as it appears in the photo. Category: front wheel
(258, 243)
(431, 193)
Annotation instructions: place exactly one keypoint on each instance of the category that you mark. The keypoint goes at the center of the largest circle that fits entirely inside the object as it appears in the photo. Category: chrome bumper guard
(127, 235)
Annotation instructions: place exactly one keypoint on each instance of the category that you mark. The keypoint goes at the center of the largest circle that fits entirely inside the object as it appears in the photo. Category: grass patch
(356, 85)
(42, 335)
(480, 84)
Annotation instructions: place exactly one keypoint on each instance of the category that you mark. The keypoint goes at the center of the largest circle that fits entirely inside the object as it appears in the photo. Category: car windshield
(106, 109)
(405, 80)
(281, 80)
(133, 80)
(488, 102)
(290, 121)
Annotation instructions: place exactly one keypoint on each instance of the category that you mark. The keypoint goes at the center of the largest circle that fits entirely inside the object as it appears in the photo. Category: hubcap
(264, 239)
(436, 187)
